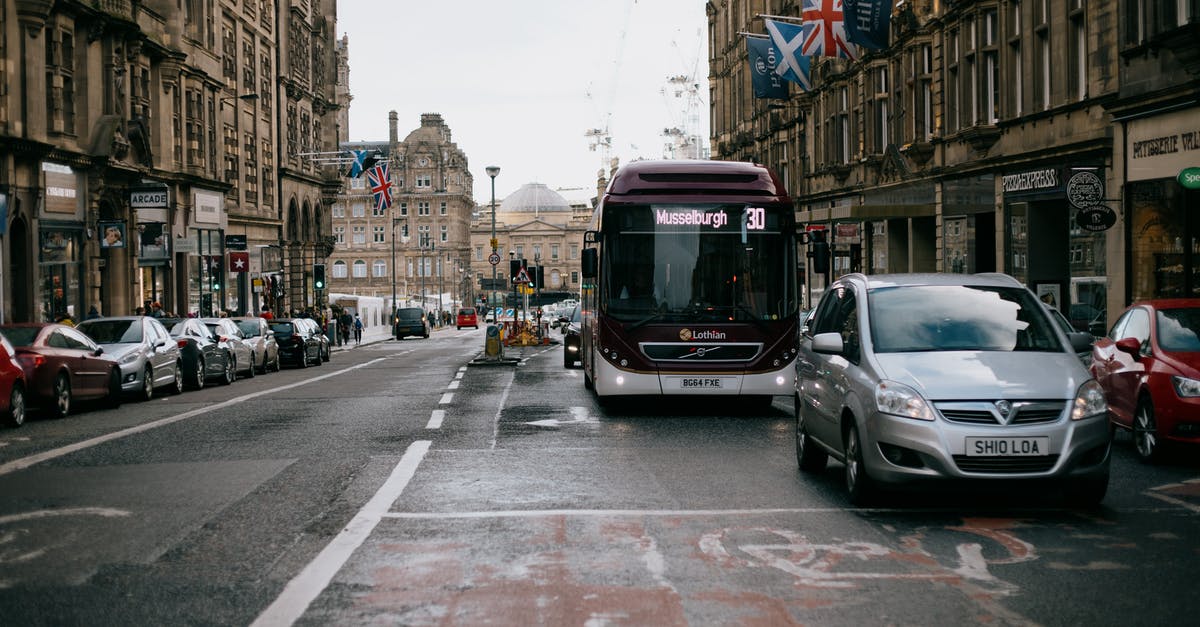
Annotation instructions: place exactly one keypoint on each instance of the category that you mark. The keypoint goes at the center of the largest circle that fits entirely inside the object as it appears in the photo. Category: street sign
(1096, 218)
(522, 277)
(1084, 189)
(1190, 178)
(494, 259)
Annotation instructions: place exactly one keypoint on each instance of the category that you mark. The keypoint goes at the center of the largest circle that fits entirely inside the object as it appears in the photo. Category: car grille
(988, 413)
(1005, 465)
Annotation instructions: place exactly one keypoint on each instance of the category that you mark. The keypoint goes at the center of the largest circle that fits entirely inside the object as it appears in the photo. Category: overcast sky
(520, 82)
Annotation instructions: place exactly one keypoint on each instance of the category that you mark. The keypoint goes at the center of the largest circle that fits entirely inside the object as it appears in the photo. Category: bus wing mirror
(588, 263)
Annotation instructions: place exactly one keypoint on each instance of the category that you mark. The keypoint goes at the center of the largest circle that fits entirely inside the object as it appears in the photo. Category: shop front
(1162, 200)
(60, 240)
(1054, 244)
(969, 224)
(151, 204)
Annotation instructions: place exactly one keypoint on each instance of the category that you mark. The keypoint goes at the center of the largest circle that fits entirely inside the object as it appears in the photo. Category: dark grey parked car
(149, 357)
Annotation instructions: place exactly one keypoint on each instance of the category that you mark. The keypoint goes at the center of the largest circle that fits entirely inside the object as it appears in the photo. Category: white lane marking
(436, 418)
(500, 409)
(453, 385)
(26, 462)
(605, 513)
(446, 399)
(300, 592)
(106, 512)
(1195, 509)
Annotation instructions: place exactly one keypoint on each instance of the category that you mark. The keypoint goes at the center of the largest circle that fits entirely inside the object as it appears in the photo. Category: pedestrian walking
(358, 328)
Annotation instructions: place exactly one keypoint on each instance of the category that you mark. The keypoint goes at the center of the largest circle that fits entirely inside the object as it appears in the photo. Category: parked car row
(53, 366)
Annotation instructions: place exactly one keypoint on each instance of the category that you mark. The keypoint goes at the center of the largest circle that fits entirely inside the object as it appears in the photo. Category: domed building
(540, 225)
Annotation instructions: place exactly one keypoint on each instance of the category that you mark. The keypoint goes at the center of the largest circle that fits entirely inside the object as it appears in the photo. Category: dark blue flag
(868, 22)
(763, 59)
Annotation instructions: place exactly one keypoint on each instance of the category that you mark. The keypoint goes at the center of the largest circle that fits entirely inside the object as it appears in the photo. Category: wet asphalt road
(398, 485)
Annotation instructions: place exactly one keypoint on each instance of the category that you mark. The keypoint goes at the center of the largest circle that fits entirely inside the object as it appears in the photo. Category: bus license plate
(693, 383)
(1008, 447)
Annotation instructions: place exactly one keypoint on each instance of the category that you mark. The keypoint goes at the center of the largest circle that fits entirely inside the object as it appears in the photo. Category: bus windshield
(703, 261)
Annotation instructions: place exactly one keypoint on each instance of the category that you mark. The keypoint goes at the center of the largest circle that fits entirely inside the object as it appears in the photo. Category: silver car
(258, 334)
(148, 355)
(908, 378)
(230, 336)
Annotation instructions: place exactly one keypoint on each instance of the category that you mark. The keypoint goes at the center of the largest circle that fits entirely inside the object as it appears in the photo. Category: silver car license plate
(1008, 447)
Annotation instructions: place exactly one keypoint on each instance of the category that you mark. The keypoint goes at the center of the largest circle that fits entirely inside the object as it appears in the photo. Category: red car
(1149, 367)
(12, 385)
(62, 365)
(466, 318)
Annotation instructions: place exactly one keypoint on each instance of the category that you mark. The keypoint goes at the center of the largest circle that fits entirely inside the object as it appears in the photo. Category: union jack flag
(825, 30)
(381, 186)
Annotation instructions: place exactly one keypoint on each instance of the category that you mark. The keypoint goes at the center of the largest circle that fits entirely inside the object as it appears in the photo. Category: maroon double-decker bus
(690, 285)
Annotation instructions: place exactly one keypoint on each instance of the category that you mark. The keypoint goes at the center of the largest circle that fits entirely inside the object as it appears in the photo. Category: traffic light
(539, 278)
(318, 276)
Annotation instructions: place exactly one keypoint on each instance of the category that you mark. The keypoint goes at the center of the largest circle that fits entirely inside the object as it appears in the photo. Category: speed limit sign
(494, 259)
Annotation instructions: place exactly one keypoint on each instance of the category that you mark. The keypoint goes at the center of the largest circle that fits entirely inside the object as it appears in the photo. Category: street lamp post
(394, 308)
(493, 171)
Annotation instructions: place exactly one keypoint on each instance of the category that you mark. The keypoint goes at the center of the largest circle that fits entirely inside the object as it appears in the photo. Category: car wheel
(230, 374)
(198, 378)
(177, 382)
(324, 354)
(568, 359)
(61, 396)
(113, 400)
(1145, 432)
(303, 361)
(250, 370)
(859, 486)
(147, 384)
(264, 368)
(276, 365)
(809, 456)
(16, 406)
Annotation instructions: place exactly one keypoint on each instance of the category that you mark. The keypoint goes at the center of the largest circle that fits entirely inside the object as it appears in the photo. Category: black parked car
(571, 341)
(299, 341)
(204, 357)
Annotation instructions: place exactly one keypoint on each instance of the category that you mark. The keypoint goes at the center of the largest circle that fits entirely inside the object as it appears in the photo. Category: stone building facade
(149, 150)
(419, 248)
(542, 226)
(971, 143)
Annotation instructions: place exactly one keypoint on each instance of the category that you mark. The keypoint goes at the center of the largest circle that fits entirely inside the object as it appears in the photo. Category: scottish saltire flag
(792, 65)
(381, 185)
(868, 22)
(763, 59)
(361, 161)
(825, 31)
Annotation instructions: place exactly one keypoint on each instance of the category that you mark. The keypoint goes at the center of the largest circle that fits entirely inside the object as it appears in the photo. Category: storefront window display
(60, 291)
(1164, 240)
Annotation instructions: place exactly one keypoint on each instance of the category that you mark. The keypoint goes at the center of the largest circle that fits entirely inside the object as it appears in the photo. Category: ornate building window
(339, 235)
(360, 269)
(268, 172)
(358, 209)
(264, 90)
(877, 104)
(195, 128)
(1041, 53)
(360, 235)
(424, 180)
(292, 136)
(379, 268)
(971, 85)
(1015, 69)
(228, 50)
(339, 269)
(377, 232)
(442, 208)
(60, 78)
(404, 209)
(1077, 50)
(251, 148)
(423, 207)
(231, 156)
(991, 67)
(445, 235)
(249, 75)
(953, 95)
(338, 210)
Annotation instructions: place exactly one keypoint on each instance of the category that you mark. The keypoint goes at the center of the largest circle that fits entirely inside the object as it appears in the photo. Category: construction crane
(600, 138)
(684, 100)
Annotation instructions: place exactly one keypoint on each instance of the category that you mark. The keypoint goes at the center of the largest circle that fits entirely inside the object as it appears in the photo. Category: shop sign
(1032, 181)
(1084, 189)
(149, 197)
(208, 208)
(235, 242)
(1190, 178)
(1096, 218)
(62, 186)
(186, 245)
(1169, 142)
(846, 230)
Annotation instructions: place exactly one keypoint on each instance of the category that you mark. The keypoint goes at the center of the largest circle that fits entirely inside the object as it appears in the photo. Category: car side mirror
(99, 351)
(828, 343)
(1081, 341)
(160, 344)
(1130, 345)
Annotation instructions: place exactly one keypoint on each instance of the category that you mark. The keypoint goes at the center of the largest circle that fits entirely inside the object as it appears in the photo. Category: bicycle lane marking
(31, 460)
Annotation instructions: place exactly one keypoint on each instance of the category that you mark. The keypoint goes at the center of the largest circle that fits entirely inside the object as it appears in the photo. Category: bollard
(493, 347)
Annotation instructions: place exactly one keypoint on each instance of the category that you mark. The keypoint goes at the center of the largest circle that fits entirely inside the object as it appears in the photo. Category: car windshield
(113, 331)
(22, 336)
(409, 314)
(1179, 329)
(959, 317)
(282, 328)
(249, 327)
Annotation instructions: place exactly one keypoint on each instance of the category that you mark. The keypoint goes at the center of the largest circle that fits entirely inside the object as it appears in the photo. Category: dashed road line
(446, 399)
(435, 419)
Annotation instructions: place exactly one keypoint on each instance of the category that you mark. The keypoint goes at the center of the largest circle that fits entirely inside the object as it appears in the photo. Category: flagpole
(753, 35)
(780, 17)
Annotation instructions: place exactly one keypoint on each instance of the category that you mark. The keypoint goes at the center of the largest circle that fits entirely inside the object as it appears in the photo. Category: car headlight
(129, 359)
(1089, 401)
(1186, 387)
(898, 399)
